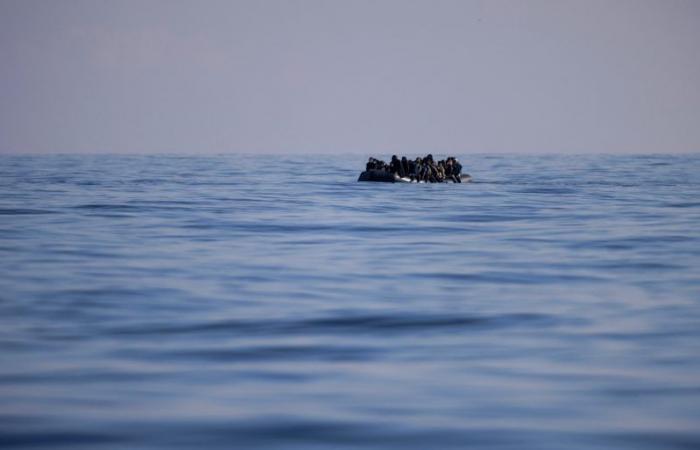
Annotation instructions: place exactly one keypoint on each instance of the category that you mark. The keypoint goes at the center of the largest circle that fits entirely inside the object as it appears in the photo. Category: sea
(274, 302)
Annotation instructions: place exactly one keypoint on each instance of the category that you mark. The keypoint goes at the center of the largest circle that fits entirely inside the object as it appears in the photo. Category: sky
(360, 76)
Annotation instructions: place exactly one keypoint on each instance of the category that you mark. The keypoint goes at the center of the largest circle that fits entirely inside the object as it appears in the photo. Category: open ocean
(164, 302)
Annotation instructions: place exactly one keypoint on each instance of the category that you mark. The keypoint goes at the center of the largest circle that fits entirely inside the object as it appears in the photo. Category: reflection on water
(183, 302)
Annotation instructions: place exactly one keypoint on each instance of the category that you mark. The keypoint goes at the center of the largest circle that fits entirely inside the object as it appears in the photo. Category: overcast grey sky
(356, 76)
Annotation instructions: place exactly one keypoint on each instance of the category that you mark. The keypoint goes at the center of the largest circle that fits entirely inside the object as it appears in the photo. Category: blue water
(160, 302)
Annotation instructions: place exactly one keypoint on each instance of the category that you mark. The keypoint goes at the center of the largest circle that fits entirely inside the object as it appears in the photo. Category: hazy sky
(358, 76)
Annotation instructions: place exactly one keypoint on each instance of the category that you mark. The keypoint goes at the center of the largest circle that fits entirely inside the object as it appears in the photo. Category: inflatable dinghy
(386, 177)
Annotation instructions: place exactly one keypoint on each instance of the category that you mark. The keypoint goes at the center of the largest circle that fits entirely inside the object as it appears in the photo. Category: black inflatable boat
(386, 177)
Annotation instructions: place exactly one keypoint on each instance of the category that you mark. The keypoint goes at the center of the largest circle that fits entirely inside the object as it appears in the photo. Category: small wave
(548, 190)
(23, 211)
(634, 266)
(71, 376)
(52, 439)
(376, 324)
(682, 205)
(652, 391)
(276, 353)
(428, 322)
(484, 218)
(631, 243)
(510, 277)
(108, 207)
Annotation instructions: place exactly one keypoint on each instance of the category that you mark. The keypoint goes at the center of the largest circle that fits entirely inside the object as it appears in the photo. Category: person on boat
(404, 165)
(449, 171)
(418, 169)
(431, 173)
(426, 172)
(412, 170)
(370, 164)
(456, 170)
(376, 164)
(440, 172)
(396, 167)
(431, 169)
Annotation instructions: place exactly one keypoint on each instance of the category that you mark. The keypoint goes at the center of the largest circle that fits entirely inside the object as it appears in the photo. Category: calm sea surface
(160, 302)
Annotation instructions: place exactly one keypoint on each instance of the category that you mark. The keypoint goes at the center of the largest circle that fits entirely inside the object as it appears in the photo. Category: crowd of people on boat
(421, 169)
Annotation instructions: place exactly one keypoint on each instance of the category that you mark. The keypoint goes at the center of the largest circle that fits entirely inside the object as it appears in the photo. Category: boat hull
(381, 176)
